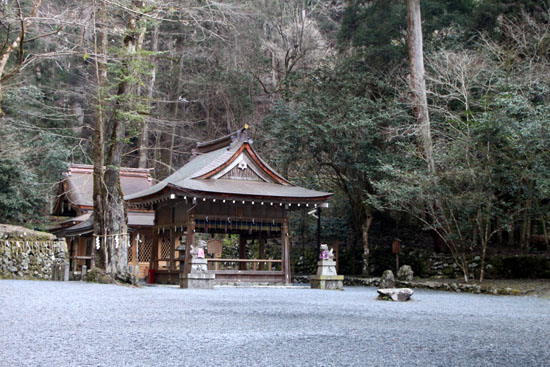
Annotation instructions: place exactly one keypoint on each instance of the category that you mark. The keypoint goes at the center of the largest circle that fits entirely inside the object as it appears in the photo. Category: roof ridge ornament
(240, 135)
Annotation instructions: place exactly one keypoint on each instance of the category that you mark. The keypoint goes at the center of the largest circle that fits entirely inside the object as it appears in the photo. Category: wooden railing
(229, 264)
(244, 264)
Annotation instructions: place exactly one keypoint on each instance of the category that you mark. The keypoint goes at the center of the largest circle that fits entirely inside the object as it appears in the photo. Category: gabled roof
(229, 167)
(76, 189)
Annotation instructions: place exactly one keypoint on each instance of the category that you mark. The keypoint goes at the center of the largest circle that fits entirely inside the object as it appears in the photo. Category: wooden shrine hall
(226, 188)
(74, 200)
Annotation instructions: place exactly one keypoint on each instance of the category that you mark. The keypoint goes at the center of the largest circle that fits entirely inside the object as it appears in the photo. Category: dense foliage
(324, 86)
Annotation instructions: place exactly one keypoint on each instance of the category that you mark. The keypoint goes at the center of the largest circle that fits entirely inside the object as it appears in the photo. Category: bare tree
(15, 42)
(290, 38)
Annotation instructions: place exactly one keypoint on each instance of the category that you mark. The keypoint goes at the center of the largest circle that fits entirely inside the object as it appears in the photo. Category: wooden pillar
(76, 253)
(73, 254)
(172, 249)
(177, 264)
(261, 250)
(188, 242)
(285, 240)
(92, 253)
(242, 251)
(158, 253)
(154, 250)
(318, 231)
(135, 252)
(173, 234)
(81, 251)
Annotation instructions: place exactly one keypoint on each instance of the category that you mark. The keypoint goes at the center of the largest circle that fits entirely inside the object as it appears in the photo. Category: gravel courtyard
(80, 324)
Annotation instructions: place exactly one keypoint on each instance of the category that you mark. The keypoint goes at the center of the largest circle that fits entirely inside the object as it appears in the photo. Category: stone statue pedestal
(326, 277)
(199, 277)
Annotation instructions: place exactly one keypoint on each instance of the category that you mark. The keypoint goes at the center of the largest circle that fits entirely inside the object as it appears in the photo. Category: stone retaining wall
(425, 284)
(430, 264)
(26, 254)
(435, 265)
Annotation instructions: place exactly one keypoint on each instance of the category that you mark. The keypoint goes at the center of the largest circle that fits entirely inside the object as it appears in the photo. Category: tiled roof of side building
(79, 182)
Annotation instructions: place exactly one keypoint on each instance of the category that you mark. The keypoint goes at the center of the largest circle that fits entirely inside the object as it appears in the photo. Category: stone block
(326, 267)
(83, 273)
(203, 280)
(329, 282)
(199, 277)
(66, 272)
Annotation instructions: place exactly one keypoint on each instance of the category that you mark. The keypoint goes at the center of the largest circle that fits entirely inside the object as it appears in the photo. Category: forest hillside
(325, 87)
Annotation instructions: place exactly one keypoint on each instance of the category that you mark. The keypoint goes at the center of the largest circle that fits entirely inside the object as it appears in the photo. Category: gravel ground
(80, 324)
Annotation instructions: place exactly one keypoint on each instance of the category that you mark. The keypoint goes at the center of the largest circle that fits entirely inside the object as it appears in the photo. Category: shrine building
(225, 189)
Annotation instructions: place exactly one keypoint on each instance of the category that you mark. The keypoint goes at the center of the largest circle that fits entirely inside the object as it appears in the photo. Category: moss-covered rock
(98, 275)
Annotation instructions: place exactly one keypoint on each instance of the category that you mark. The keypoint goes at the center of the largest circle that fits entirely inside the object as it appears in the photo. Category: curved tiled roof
(196, 176)
(78, 184)
(194, 165)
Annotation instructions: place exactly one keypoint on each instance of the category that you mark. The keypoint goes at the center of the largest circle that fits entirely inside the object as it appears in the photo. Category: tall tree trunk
(365, 237)
(525, 229)
(144, 133)
(178, 87)
(525, 235)
(483, 261)
(115, 217)
(545, 231)
(485, 236)
(99, 133)
(418, 83)
(110, 217)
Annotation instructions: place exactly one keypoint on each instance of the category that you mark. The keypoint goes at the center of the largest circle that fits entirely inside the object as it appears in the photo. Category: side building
(74, 200)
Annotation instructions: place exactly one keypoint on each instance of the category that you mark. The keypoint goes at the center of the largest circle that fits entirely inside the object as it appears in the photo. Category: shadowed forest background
(324, 87)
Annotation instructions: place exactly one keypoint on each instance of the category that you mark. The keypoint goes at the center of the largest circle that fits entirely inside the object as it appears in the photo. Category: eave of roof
(135, 220)
(256, 189)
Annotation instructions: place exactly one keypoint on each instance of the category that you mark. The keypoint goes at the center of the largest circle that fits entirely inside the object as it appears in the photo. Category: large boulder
(405, 273)
(395, 294)
(98, 275)
(387, 280)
